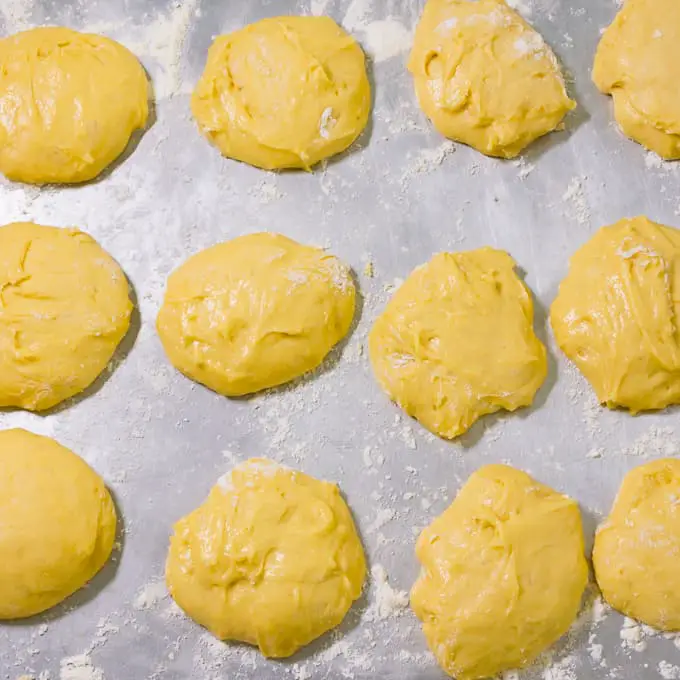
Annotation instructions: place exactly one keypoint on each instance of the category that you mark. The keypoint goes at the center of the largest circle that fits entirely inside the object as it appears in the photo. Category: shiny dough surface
(271, 558)
(456, 341)
(638, 63)
(255, 312)
(58, 523)
(617, 314)
(486, 78)
(64, 308)
(636, 555)
(502, 576)
(284, 92)
(70, 102)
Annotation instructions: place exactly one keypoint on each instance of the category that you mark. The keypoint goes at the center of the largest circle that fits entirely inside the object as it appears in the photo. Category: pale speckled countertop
(400, 195)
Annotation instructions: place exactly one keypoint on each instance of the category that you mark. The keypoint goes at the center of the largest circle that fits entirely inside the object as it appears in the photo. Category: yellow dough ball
(271, 558)
(69, 102)
(255, 312)
(484, 77)
(284, 92)
(58, 523)
(64, 307)
(617, 314)
(502, 574)
(638, 64)
(456, 341)
(636, 555)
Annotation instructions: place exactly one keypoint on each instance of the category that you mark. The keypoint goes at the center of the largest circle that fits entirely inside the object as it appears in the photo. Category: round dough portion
(255, 312)
(636, 554)
(617, 314)
(284, 92)
(70, 102)
(502, 575)
(486, 78)
(58, 523)
(272, 558)
(64, 308)
(637, 63)
(456, 341)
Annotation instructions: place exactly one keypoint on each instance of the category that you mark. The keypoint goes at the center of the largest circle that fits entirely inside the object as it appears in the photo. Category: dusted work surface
(400, 195)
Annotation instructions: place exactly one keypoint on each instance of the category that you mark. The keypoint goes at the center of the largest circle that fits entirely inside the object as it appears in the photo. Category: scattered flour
(356, 14)
(564, 669)
(428, 160)
(653, 161)
(592, 410)
(163, 40)
(524, 169)
(657, 442)
(595, 649)
(383, 516)
(669, 672)
(318, 7)
(150, 595)
(599, 611)
(576, 196)
(16, 14)
(634, 635)
(266, 191)
(385, 39)
(79, 667)
(388, 602)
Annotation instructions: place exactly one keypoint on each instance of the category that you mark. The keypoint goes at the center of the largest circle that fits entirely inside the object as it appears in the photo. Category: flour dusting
(16, 14)
(79, 667)
(150, 595)
(385, 39)
(388, 602)
(575, 195)
(427, 161)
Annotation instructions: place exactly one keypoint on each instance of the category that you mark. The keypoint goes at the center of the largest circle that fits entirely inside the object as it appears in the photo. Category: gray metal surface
(398, 197)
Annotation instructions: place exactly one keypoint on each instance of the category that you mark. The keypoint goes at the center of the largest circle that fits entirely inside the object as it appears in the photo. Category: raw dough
(69, 102)
(271, 558)
(637, 63)
(502, 575)
(284, 92)
(617, 314)
(58, 523)
(457, 342)
(484, 77)
(255, 312)
(64, 307)
(636, 555)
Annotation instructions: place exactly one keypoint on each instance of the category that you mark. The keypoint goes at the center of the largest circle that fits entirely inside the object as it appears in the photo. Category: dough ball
(284, 92)
(617, 313)
(636, 555)
(484, 77)
(637, 63)
(456, 341)
(69, 102)
(502, 573)
(271, 558)
(64, 307)
(58, 523)
(255, 312)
